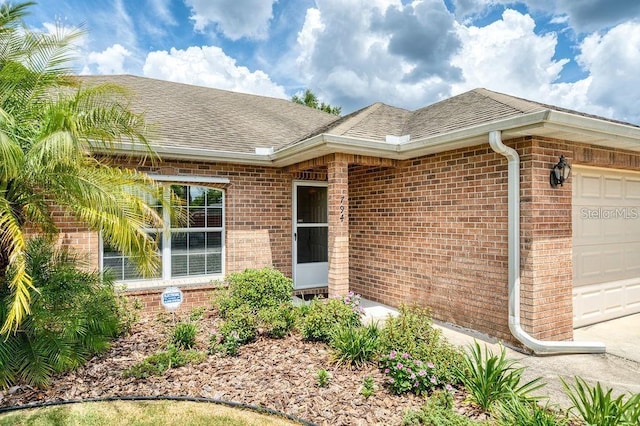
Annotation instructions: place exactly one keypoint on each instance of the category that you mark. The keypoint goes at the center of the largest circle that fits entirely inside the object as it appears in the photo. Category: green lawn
(139, 413)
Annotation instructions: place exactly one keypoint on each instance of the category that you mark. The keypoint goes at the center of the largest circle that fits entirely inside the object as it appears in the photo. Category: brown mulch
(276, 374)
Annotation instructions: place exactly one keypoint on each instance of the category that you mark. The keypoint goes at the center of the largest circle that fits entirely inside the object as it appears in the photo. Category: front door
(310, 235)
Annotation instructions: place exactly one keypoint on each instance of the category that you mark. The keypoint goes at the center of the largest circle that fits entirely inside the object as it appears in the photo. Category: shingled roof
(197, 122)
(202, 117)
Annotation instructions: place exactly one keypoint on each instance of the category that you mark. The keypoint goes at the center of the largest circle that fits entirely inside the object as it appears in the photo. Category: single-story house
(450, 206)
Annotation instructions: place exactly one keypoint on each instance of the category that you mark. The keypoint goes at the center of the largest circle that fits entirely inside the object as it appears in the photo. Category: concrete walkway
(618, 369)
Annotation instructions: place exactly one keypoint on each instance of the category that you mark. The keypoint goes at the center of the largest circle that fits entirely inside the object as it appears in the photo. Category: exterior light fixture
(560, 172)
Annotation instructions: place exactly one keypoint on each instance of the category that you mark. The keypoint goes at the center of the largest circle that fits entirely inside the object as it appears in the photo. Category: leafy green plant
(514, 411)
(322, 316)
(224, 345)
(158, 363)
(597, 406)
(354, 346)
(196, 313)
(323, 377)
(256, 288)
(491, 378)
(412, 331)
(368, 387)
(184, 335)
(242, 323)
(128, 311)
(74, 315)
(406, 374)
(437, 411)
(277, 321)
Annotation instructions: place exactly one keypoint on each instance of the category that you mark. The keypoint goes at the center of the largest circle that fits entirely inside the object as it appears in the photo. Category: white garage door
(606, 244)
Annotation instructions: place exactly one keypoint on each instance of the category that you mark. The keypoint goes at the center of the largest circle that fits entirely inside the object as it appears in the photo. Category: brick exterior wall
(431, 230)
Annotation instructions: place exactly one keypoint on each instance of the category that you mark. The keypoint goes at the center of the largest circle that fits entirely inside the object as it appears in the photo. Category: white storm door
(310, 235)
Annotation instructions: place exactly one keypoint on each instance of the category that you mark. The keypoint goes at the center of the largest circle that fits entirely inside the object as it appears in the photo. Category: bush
(412, 331)
(184, 335)
(277, 321)
(74, 315)
(323, 316)
(355, 346)
(491, 378)
(406, 374)
(597, 406)
(242, 324)
(437, 411)
(257, 288)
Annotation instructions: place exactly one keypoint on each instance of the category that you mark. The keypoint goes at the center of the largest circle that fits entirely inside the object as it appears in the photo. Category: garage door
(606, 244)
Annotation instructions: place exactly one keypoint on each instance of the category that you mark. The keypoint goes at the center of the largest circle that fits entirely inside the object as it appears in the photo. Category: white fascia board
(193, 154)
(469, 136)
(324, 144)
(595, 127)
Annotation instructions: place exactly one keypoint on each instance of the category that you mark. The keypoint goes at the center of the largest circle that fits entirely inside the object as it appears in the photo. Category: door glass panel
(312, 204)
(313, 244)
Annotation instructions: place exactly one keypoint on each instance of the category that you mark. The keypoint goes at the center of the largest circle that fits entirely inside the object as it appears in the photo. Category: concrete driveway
(618, 369)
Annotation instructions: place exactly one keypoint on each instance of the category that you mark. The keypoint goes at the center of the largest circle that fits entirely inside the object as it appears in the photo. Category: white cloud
(233, 18)
(508, 56)
(354, 53)
(209, 66)
(109, 61)
(613, 61)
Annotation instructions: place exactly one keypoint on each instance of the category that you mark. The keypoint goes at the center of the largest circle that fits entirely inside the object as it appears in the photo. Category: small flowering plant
(353, 300)
(405, 374)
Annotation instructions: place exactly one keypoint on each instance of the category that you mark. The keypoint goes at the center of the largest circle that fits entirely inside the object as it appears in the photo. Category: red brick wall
(257, 213)
(433, 231)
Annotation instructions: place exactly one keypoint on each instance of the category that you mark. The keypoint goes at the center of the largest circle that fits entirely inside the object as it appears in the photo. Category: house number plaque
(342, 209)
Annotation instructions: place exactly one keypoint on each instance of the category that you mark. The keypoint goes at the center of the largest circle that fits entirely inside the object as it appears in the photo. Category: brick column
(338, 193)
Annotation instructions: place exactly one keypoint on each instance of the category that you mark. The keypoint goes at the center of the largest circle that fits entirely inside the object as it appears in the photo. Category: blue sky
(579, 54)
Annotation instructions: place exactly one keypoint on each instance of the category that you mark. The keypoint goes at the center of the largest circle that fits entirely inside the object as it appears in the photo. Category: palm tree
(49, 125)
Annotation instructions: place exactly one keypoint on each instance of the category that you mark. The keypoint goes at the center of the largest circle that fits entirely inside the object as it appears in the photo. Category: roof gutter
(540, 347)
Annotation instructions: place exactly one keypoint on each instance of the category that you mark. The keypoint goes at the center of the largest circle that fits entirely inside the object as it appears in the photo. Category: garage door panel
(633, 189)
(606, 244)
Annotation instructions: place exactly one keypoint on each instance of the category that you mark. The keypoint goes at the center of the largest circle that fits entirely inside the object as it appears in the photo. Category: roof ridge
(356, 117)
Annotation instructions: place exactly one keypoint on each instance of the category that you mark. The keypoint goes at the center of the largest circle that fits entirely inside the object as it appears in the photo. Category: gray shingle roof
(202, 117)
(219, 120)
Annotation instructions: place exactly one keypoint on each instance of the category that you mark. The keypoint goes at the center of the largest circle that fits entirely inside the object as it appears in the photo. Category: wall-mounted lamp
(560, 172)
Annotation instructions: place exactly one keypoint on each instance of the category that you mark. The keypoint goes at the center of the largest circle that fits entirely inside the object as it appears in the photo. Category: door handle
(295, 236)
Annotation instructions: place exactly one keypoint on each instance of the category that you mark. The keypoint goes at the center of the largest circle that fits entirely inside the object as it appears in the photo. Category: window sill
(177, 282)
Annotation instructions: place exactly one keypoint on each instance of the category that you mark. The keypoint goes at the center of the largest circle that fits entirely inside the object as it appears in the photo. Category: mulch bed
(276, 374)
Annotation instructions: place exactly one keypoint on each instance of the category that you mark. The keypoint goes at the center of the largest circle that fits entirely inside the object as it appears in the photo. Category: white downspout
(541, 347)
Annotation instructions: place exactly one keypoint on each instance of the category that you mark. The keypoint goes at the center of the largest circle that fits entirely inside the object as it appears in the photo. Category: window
(193, 247)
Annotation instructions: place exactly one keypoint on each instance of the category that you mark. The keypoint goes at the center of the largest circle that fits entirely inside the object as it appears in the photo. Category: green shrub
(491, 378)
(325, 315)
(160, 362)
(241, 323)
(412, 331)
(597, 406)
(74, 315)
(196, 313)
(515, 411)
(257, 288)
(224, 345)
(277, 321)
(184, 335)
(355, 346)
(437, 411)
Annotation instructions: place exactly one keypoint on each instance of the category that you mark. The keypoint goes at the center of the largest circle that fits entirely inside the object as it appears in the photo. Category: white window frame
(165, 279)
